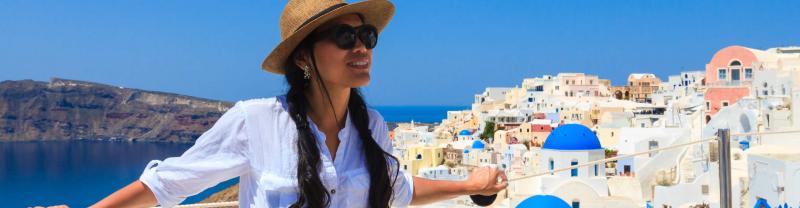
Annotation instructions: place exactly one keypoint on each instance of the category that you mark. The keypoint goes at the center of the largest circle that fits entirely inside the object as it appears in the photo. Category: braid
(380, 189)
(312, 193)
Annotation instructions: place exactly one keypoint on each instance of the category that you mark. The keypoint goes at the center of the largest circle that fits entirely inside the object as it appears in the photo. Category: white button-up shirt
(256, 140)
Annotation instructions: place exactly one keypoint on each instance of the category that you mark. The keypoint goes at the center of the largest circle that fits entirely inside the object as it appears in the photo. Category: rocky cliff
(69, 109)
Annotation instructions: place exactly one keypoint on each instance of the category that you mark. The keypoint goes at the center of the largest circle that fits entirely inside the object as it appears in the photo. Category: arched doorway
(618, 95)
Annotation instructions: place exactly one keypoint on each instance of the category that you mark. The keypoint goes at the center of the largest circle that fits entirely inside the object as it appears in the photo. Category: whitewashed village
(553, 122)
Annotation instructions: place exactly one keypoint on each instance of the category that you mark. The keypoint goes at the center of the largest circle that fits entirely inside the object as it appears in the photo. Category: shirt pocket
(356, 182)
(278, 190)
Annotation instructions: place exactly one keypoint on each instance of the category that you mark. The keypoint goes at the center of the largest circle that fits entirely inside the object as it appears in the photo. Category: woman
(317, 146)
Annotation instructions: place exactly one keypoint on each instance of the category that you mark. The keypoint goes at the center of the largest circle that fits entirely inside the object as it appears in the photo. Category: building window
(748, 73)
(723, 74)
(574, 171)
(652, 145)
(708, 105)
(576, 204)
(595, 170)
(552, 165)
(724, 103)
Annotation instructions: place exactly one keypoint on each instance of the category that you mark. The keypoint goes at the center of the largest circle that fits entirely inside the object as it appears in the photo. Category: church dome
(572, 137)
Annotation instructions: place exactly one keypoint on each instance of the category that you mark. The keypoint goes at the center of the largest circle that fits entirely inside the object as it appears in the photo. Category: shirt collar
(344, 133)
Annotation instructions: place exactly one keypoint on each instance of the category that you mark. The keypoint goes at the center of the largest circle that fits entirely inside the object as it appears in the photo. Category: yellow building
(417, 157)
(576, 115)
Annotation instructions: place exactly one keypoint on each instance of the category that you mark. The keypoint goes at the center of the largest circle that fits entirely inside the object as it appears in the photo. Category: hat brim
(377, 13)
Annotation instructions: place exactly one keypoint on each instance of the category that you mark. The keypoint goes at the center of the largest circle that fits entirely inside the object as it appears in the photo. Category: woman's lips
(359, 64)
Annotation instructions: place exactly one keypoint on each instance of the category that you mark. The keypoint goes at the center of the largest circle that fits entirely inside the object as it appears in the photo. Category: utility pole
(724, 168)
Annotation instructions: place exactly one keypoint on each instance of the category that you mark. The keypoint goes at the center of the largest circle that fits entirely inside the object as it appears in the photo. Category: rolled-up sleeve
(218, 154)
(404, 183)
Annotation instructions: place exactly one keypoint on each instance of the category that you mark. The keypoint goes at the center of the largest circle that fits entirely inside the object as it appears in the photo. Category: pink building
(718, 97)
(729, 75)
(541, 127)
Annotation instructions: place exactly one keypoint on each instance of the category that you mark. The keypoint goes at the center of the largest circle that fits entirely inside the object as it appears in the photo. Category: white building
(407, 134)
(774, 174)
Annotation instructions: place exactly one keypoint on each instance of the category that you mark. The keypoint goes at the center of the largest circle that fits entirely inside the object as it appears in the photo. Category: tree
(488, 131)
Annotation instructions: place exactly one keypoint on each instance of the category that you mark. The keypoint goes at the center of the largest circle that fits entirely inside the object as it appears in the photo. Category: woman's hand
(483, 181)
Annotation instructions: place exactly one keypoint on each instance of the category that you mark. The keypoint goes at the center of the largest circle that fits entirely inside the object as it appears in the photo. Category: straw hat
(301, 17)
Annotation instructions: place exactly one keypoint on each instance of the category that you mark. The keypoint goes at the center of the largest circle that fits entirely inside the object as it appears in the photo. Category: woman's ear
(301, 59)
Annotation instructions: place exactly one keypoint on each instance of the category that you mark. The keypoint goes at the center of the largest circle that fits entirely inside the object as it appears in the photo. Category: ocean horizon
(421, 113)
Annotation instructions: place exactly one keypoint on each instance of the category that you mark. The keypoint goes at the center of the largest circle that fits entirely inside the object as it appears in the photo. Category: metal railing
(724, 151)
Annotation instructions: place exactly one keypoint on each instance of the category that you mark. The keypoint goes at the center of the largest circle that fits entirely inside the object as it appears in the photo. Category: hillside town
(557, 121)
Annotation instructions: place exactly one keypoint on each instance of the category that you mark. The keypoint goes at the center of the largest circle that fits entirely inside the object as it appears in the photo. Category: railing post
(724, 168)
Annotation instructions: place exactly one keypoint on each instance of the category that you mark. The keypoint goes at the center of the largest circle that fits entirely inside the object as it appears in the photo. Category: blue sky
(432, 53)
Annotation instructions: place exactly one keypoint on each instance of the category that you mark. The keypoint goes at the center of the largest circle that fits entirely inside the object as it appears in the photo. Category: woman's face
(344, 68)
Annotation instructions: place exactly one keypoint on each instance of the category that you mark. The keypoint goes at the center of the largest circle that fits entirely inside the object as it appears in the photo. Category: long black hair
(312, 193)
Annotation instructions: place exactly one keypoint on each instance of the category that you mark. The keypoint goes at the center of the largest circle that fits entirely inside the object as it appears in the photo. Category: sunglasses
(345, 35)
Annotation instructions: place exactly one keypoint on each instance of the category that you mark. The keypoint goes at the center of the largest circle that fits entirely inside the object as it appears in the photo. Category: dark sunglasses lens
(345, 37)
(368, 35)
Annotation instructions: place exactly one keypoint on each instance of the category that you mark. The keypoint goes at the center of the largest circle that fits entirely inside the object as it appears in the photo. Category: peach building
(581, 85)
(621, 92)
(642, 86)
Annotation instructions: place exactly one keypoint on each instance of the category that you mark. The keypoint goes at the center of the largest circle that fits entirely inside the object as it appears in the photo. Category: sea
(79, 173)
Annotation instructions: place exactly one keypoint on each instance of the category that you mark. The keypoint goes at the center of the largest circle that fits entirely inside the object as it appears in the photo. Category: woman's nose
(359, 47)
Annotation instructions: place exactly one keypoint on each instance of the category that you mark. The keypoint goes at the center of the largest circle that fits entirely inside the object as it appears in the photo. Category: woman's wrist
(467, 187)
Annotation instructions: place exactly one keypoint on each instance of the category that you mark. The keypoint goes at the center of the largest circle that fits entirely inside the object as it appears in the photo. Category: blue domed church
(570, 145)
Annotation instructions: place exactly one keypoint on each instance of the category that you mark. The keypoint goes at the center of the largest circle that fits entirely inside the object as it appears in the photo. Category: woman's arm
(482, 181)
(135, 194)
(217, 155)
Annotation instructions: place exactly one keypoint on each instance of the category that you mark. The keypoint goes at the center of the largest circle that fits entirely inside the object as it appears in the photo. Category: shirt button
(333, 191)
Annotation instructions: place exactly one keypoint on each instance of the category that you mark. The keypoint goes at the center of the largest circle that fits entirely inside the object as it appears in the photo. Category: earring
(306, 72)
